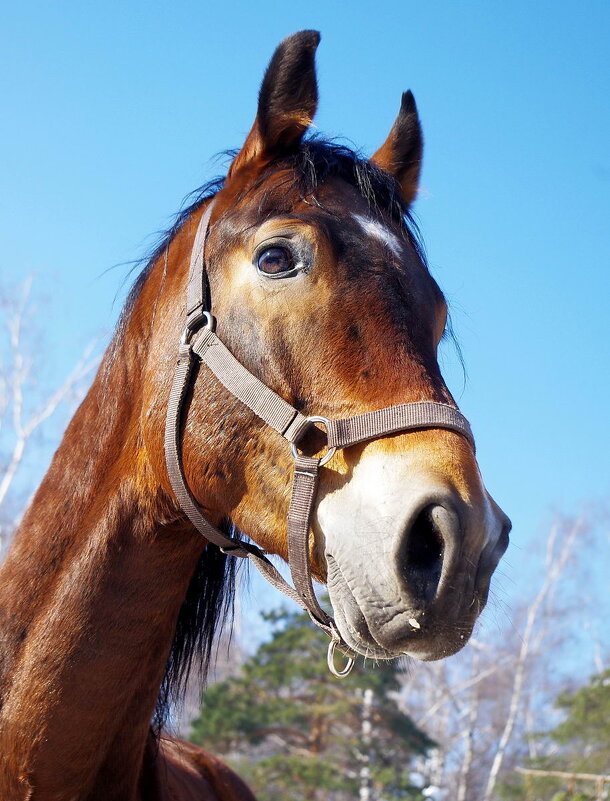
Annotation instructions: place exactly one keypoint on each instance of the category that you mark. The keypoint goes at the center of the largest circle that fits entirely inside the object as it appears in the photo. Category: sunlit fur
(107, 588)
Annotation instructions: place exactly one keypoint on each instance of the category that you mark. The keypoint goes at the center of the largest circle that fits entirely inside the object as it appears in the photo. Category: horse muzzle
(409, 567)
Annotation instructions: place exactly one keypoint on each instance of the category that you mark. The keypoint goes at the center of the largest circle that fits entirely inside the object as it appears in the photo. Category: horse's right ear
(401, 153)
(287, 101)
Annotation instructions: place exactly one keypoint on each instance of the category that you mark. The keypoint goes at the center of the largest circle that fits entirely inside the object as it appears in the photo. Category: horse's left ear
(287, 101)
(401, 153)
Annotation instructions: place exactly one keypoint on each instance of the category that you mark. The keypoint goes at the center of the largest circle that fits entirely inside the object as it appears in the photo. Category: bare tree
(558, 552)
(484, 705)
(26, 405)
(472, 716)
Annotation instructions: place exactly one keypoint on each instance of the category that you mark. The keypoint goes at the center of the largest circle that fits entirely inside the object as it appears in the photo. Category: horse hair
(207, 607)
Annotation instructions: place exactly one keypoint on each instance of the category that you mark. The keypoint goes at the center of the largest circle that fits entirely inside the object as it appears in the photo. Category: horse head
(320, 289)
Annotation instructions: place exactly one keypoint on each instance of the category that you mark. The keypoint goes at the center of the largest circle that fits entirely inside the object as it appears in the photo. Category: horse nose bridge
(443, 454)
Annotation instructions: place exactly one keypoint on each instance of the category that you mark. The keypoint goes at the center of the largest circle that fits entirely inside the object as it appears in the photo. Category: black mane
(207, 606)
(209, 599)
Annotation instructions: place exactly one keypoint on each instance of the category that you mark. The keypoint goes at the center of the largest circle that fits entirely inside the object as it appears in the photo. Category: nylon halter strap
(199, 343)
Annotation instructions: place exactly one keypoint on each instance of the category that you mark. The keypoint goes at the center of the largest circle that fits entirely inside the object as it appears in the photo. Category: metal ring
(208, 322)
(339, 674)
(330, 452)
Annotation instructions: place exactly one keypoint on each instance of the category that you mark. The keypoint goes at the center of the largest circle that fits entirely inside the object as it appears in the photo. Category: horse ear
(401, 153)
(287, 100)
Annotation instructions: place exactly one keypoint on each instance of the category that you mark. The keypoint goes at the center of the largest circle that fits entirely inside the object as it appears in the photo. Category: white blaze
(379, 231)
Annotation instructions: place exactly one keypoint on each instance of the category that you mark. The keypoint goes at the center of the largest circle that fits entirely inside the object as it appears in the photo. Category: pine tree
(301, 729)
(584, 735)
(579, 745)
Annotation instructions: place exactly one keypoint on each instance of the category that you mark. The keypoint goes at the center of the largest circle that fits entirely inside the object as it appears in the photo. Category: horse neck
(89, 597)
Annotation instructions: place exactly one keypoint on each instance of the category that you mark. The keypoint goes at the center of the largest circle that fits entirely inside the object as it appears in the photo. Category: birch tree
(27, 404)
(484, 706)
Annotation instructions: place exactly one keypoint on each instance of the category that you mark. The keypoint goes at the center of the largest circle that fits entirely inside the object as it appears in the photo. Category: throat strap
(200, 343)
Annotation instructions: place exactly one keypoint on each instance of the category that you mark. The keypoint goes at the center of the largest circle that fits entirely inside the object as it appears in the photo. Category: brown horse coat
(107, 588)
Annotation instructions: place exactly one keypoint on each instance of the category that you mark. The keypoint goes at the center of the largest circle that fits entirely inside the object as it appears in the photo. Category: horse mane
(209, 599)
(193, 201)
(207, 607)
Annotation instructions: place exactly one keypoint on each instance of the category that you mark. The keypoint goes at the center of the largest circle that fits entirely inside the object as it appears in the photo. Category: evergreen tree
(302, 729)
(580, 744)
(584, 735)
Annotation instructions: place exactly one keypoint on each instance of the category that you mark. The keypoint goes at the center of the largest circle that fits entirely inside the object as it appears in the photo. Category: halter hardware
(314, 418)
(203, 320)
(330, 657)
(199, 342)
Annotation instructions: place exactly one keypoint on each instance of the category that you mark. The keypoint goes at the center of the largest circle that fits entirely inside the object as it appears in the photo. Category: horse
(315, 284)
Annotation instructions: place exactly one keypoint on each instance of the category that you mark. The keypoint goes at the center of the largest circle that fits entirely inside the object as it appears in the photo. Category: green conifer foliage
(580, 744)
(585, 733)
(295, 732)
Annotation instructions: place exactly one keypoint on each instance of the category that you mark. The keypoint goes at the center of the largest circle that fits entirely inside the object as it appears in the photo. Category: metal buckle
(204, 317)
(325, 422)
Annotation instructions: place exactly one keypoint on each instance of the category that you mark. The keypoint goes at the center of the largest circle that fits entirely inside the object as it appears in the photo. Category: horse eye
(275, 261)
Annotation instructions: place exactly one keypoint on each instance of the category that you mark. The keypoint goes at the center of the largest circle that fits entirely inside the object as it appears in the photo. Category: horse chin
(380, 632)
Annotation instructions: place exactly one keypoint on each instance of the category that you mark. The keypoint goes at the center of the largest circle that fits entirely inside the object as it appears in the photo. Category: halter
(199, 343)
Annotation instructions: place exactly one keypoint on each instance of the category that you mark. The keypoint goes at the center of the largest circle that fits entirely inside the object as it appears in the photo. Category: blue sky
(113, 111)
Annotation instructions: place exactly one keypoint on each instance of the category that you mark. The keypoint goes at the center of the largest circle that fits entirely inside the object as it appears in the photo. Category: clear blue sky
(112, 112)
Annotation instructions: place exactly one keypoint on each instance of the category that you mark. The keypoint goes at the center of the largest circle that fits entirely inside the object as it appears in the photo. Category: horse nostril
(504, 539)
(424, 550)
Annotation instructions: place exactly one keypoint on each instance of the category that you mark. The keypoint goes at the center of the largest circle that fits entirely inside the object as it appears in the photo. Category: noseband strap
(200, 344)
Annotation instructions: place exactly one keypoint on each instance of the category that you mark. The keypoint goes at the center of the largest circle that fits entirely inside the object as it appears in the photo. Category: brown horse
(108, 592)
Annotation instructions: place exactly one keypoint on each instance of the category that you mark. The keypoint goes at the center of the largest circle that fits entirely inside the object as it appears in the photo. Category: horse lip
(423, 643)
(359, 636)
